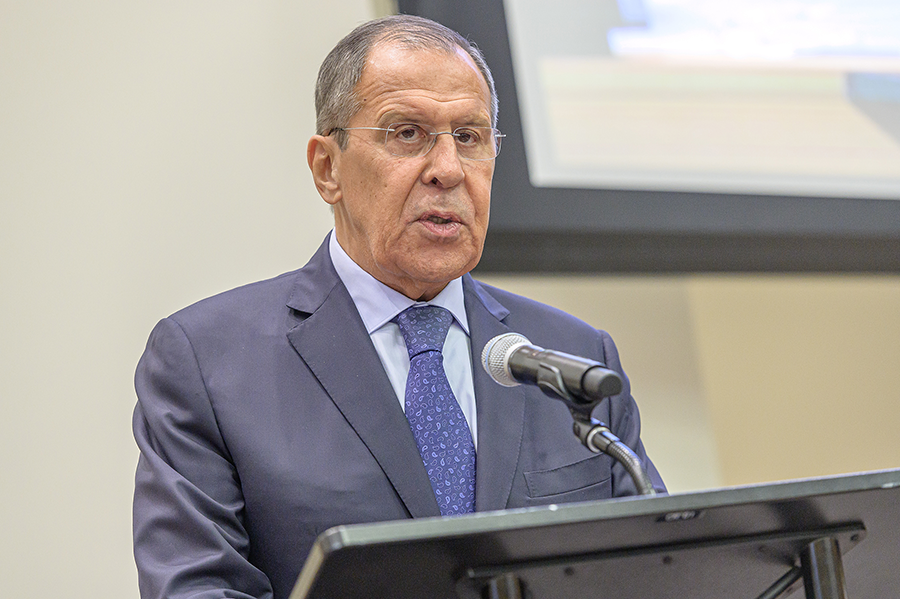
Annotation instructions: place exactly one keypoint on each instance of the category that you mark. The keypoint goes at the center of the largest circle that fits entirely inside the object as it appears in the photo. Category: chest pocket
(582, 481)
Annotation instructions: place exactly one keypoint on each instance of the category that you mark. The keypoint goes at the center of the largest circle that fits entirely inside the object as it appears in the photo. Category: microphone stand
(592, 433)
(597, 437)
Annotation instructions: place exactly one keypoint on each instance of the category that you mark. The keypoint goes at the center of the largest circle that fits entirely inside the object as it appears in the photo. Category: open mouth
(442, 225)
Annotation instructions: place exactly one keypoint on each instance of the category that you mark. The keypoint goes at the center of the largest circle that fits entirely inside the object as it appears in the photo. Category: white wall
(152, 153)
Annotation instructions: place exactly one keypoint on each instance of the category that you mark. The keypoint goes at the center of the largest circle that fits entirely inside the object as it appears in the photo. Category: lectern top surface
(691, 542)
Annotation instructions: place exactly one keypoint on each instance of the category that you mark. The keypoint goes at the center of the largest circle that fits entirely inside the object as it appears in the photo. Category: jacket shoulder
(248, 310)
(535, 314)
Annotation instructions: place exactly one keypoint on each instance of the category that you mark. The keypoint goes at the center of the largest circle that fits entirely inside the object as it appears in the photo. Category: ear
(323, 156)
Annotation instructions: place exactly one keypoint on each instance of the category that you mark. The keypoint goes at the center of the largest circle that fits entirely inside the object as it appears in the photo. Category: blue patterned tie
(434, 415)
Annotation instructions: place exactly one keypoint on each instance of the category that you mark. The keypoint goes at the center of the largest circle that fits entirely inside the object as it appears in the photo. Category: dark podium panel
(729, 543)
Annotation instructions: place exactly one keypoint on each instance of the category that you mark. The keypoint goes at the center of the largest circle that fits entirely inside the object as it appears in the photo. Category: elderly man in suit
(348, 391)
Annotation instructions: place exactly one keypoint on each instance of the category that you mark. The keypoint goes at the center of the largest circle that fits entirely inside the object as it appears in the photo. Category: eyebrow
(392, 118)
(395, 116)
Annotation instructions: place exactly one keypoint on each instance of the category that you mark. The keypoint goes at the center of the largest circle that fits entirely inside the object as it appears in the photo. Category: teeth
(438, 220)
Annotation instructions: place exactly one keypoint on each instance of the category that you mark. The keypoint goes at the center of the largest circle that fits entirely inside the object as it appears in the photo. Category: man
(272, 412)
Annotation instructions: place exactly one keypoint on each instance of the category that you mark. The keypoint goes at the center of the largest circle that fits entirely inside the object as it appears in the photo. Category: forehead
(401, 79)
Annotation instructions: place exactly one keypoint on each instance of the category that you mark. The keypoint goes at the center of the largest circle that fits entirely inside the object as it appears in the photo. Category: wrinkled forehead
(444, 73)
(439, 71)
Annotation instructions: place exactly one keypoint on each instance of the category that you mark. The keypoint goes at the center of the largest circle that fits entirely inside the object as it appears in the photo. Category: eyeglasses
(409, 140)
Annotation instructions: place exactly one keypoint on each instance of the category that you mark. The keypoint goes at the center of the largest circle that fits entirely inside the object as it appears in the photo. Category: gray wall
(153, 153)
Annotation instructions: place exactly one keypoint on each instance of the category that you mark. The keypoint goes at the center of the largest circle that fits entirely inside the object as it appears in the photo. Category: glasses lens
(407, 139)
(477, 143)
(472, 143)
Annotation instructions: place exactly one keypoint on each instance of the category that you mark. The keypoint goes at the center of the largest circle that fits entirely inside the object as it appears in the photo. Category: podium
(794, 538)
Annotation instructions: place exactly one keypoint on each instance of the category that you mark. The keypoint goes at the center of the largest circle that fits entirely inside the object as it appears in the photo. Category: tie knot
(424, 328)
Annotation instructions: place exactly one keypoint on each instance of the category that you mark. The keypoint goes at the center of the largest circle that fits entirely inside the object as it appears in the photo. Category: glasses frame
(433, 135)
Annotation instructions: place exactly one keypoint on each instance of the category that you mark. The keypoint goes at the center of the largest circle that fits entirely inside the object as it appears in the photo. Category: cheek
(387, 212)
(480, 192)
(378, 197)
(394, 193)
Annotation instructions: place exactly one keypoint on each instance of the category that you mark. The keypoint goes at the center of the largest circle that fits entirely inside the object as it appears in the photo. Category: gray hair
(336, 101)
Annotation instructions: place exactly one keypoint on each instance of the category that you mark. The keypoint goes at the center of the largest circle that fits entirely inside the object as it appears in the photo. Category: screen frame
(577, 230)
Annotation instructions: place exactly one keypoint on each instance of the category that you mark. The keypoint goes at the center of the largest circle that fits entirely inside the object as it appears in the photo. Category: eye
(409, 133)
(467, 137)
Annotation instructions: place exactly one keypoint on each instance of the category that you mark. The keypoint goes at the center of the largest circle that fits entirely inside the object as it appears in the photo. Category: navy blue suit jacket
(264, 417)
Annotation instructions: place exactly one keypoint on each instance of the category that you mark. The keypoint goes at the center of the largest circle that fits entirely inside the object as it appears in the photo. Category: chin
(441, 264)
(442, 271)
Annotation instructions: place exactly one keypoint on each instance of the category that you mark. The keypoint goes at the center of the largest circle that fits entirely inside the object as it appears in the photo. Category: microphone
(510, 359)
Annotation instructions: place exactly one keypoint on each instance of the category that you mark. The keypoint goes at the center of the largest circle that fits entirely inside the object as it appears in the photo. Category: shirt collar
(377, 303)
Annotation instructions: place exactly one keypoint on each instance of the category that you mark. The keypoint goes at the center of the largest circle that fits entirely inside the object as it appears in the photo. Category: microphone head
(495, 357)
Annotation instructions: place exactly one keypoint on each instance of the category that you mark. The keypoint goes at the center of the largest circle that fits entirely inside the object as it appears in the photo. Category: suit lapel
(334, 344)
(501, 410)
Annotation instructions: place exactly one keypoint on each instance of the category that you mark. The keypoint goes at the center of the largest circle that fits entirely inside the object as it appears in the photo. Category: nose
(444, 167)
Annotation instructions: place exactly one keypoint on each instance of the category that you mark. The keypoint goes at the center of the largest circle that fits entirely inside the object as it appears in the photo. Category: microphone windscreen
(495, 357)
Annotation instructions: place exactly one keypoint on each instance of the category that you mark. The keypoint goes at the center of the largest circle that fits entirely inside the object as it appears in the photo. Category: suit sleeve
(189, 534)
(625, 423)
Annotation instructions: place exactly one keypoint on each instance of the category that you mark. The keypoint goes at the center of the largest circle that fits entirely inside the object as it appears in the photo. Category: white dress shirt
(378, 304)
